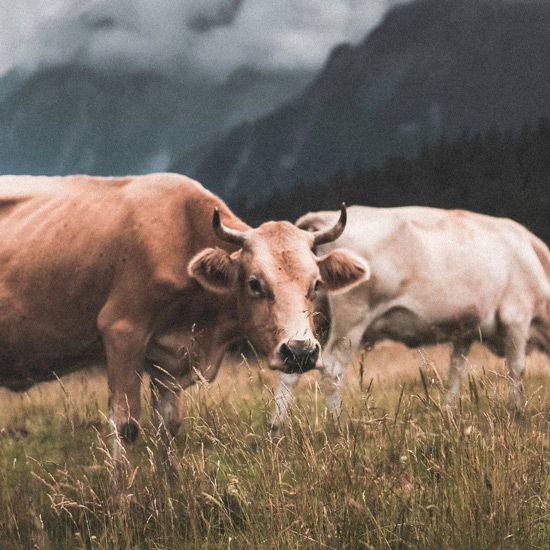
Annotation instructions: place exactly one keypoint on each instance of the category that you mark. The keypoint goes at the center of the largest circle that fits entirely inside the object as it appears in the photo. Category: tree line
(498, 173)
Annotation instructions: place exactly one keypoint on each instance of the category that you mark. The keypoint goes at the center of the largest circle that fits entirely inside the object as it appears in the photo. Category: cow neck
(203, 225)
(223, 311)
(227, 320)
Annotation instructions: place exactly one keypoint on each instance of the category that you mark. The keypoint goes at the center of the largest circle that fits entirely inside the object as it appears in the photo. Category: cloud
(288, 33)
(219, 14)
(193, 37)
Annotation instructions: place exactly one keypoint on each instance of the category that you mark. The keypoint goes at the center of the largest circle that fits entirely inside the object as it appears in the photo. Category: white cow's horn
(329, 235)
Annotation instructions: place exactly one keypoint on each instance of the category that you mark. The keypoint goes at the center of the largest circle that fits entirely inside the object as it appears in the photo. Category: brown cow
(436, 276)
(144, 270)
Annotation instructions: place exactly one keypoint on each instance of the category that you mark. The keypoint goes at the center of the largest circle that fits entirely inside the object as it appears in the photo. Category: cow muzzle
(298, 356)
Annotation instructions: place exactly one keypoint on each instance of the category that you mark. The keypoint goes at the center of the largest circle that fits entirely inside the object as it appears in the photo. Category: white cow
(436, 276)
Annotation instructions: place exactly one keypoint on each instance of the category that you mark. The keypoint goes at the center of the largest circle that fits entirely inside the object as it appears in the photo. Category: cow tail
(542, 338)
(540, 328)
(546, 330)
(542, 252)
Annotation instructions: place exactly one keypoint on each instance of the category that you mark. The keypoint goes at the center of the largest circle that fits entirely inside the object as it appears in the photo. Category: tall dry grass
(401, 473)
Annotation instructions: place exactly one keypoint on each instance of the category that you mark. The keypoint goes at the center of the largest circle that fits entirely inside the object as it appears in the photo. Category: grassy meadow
(401, 471)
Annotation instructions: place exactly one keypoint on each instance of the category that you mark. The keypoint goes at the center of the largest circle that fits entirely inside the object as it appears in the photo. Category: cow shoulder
(171, 222)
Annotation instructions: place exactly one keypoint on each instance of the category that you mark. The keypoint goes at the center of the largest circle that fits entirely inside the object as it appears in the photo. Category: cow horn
(329, 235)
(225, 233)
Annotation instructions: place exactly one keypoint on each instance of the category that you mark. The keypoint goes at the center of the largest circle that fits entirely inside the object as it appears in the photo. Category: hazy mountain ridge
(68, 118)
(432, 68)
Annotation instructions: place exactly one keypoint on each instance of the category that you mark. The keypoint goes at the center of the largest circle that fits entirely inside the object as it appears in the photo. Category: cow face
(275, 276)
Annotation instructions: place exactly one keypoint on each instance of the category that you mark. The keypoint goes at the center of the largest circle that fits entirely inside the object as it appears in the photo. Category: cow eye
(314, 289)
(255, 287)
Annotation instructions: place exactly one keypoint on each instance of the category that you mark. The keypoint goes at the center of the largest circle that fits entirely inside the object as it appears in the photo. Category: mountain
(70, 118)
(432, 68)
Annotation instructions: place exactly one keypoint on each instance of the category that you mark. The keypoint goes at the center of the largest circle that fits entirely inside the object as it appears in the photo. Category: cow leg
(165, 392)
(458, 365)
(166, 413)
(515, 344)
(125, 344)
(337, 355)
(283, 399)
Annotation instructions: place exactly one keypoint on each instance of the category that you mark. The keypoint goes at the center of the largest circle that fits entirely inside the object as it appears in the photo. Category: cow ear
(214, 269)
(342, 270)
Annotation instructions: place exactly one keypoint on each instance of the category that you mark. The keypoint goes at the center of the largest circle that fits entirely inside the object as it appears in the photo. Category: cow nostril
(285, 351)
(299, 355)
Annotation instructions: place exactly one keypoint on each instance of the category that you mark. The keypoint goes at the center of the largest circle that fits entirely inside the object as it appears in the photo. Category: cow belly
(185, 355)
(18, 375)
(404, 325)
(34, 358)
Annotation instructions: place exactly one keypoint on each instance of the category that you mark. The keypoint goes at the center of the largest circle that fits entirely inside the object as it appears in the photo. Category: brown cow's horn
(225, 233)
(329, 235)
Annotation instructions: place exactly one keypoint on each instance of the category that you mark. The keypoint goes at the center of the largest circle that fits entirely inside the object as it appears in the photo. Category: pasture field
(401, 472)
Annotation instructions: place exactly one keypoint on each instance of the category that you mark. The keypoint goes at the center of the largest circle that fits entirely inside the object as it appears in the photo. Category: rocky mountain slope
(69, 118)
(432, 68)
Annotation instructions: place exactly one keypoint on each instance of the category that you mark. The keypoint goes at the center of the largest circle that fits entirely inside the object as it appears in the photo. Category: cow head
(275, 276)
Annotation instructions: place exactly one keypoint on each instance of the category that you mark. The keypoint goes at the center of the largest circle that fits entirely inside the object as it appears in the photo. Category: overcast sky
(204, 37)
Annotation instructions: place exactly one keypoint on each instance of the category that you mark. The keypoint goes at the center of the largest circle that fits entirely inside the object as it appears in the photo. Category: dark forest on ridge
(500, 173)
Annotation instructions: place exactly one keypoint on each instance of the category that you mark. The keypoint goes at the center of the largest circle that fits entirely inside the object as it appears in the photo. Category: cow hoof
(334, 429)
(275, 431)
(450, 407)
(516, 410)
(129, 431)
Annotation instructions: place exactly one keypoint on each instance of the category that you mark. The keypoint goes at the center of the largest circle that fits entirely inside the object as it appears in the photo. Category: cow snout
(299, 355)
